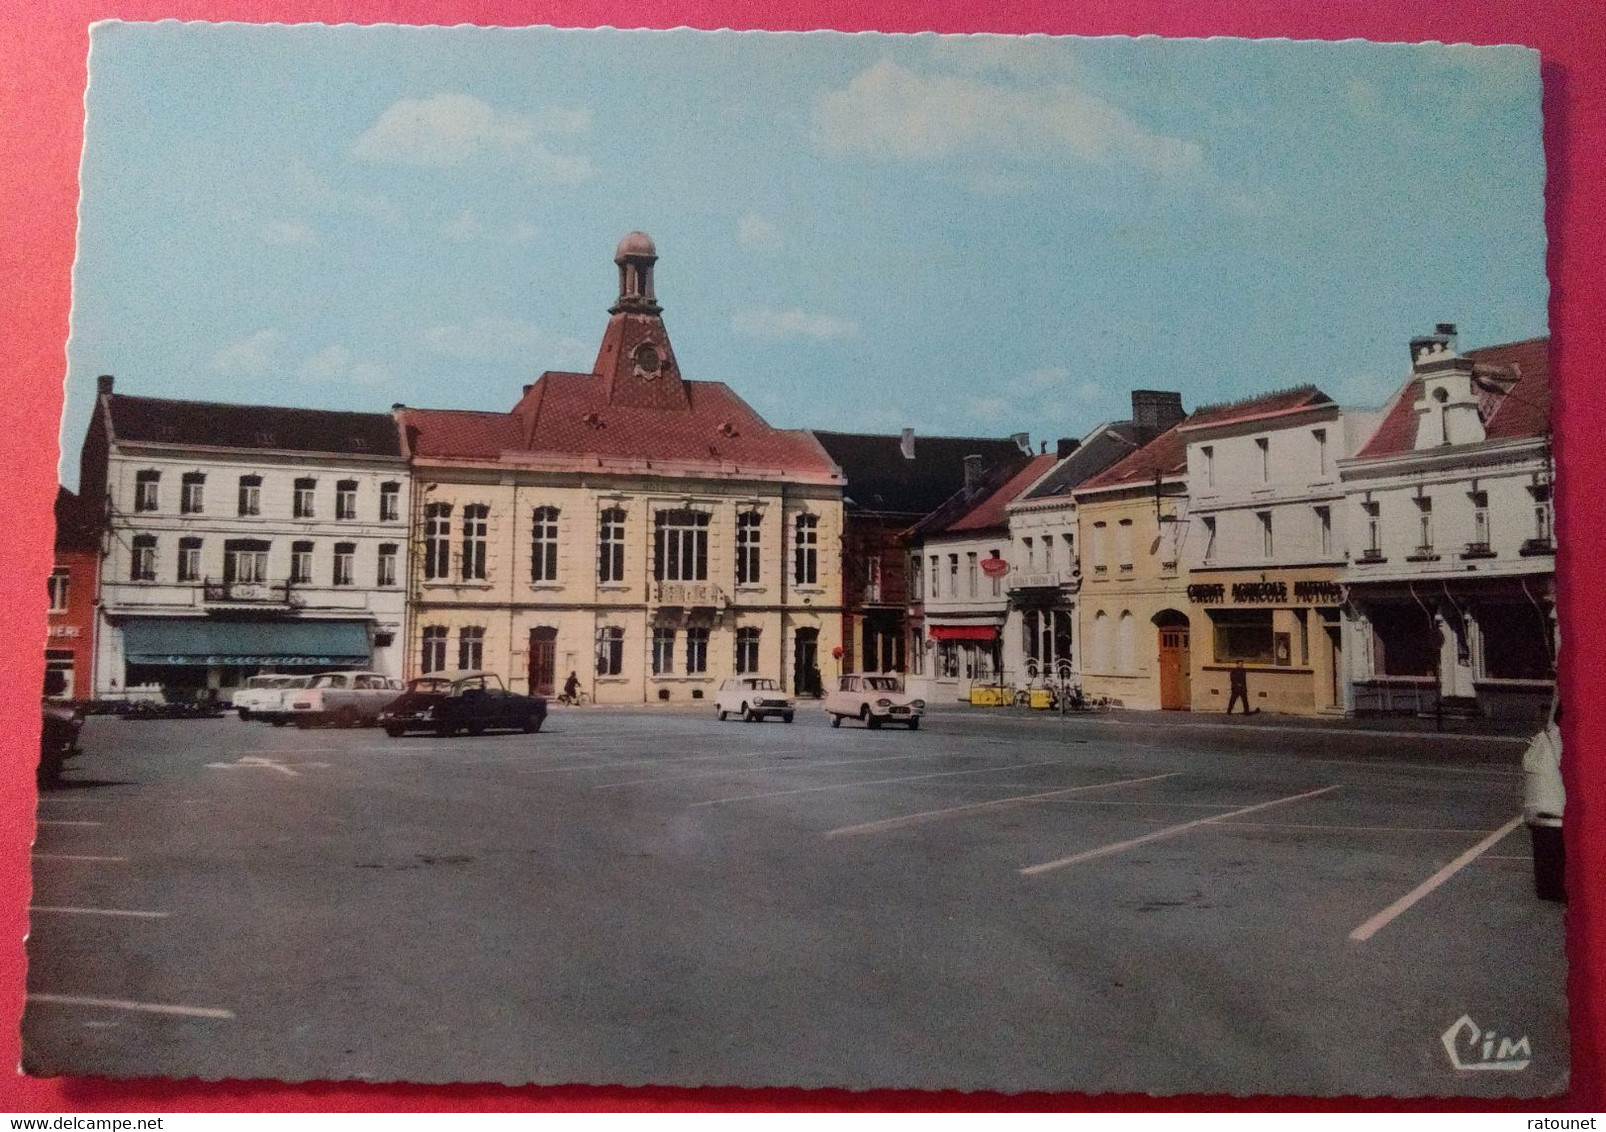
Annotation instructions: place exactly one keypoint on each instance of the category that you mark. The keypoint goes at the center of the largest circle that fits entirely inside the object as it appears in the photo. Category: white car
(752, 698)
(1544, 797)
(261, 692)
(874, 699)
(275, 707)
(344, 699)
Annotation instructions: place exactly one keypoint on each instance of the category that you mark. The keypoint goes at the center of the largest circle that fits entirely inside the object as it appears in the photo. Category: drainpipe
(1438, 670)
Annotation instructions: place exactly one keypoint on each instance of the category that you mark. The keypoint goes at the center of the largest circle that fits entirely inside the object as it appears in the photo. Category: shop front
(1283, 628)
(207, 658)
(962, 655)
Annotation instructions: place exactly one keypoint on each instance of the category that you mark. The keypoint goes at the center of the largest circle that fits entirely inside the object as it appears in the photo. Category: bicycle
(579, 699)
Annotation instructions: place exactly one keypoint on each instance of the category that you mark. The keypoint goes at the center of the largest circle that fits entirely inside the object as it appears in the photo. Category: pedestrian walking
(1239, 681)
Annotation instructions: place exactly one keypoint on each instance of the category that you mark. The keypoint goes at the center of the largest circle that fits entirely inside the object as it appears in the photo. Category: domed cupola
(635, 256)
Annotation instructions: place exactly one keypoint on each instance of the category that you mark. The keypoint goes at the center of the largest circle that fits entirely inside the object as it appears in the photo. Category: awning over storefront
(206, 642)
(963, 632)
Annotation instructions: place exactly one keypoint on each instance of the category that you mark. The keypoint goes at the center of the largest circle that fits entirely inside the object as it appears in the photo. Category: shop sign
(1266, 593)
(994, 567)
(64, 631)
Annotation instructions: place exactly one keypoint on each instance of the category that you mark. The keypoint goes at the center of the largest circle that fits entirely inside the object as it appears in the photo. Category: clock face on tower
(647, 360)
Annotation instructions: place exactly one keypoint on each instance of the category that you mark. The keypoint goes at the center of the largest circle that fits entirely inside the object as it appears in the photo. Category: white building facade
(243, 539)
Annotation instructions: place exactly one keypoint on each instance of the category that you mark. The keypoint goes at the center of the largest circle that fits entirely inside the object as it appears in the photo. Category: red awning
(964, 632)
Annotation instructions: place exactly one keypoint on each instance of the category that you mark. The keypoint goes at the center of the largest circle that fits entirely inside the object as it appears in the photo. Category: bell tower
(635, 358)
(635, 257)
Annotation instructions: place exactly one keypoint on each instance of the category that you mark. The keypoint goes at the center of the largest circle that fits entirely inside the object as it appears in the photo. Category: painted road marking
(1347, 828)
(98, 912)
(1378, 922)
(247, 762)
(53, 821)
(74, 857)
(125, 1004)
(758, 770)
(1358, 732)
(873, 782)
(1021, 800)
(1169, 831)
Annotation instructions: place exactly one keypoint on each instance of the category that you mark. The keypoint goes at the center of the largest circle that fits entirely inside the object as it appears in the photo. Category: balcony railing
(1533, 546)
(1478, 550)
(215, 591)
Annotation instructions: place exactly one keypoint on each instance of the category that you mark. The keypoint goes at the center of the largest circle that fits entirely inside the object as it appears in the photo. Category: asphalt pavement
(1001, 900)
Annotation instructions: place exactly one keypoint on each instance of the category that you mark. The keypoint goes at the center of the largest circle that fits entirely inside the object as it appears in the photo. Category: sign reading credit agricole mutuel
(1267, 593)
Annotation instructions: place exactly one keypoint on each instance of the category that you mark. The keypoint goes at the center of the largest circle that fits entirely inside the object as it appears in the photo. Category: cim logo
(1472, 1047)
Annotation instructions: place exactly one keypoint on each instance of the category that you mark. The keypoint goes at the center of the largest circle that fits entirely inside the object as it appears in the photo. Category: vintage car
(873, 699)
(752, 698)
(58, 735)
(445, 703)
(275, 702)
(343, 699)
(259, 692)
(1544, 797)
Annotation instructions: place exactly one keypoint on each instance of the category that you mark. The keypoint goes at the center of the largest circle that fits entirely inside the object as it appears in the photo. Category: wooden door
(1175, 679)
(543, 660)
(806, 663)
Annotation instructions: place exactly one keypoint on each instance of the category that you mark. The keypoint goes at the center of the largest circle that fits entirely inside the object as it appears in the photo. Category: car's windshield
(428, 684)
(267, 681)
(328, 680)
(884, 683)
(762, 684)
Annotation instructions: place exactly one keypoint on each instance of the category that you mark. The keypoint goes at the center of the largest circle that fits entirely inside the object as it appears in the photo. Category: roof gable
(204, 424)
(881, 480)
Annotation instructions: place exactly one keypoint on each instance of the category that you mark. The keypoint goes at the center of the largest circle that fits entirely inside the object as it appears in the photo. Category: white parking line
(1378, 922)
(76, 857)
(872, 782)
(657, 762)
(758, 770)
(55, 821)
(1019, 800)
(1347, 828)
(1359, 732)
(125, 1004)
(98, 912)
(1169, 831)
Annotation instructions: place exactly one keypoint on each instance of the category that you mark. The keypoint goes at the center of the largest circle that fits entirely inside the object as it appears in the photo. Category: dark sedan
(445, 703)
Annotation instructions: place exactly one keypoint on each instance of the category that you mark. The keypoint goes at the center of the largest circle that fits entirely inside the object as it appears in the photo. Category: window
(611, 546)
(1100, 563)
(300, 563)
(1207, 457)
(1031, 553)
(610, 651)
(663, 651)
(747, 547)
(1048, 552)
(1101, 641)
(970, 572)
(1424, 520)
(434, 655)
(191, 491)
(345, 572)
(544, 545)
(245, 560)
(1123, 543)
(1480, 517)
(1374, 527)
(437, 540)
(346, 499)
(680, 546)
(696, 650)
(1264, 444)
(147, 486)
(1516, 641)
(917, 579)
(304, 504)
(953, 575)
(948, 660)
(1543, 521)
(805, 552)
(997, 579)
(389, 502)
(1243, 634)
(1405, 640)
(471, 647)
(386, 574)
(872, 578)
(1126, 642)
(1324, 531)
(250, 495)
(1047, 639)
(934, 587)
(1319, 435)
(746, 650)
(1267, 546)
(1210, 538)
(476, 525)
(189, 559)
(58, 588)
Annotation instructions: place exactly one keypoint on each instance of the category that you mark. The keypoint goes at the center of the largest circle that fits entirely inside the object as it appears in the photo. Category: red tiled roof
(570, 415)
(1165, 455)
(1252, 408)
(989, 512)
(1515, 410)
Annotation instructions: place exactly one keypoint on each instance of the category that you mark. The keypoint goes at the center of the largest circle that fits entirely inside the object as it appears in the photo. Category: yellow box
(991, 696)
(1041, 698)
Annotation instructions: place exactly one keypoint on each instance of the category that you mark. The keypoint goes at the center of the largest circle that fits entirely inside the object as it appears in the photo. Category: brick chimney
(1154, 411)
(1442, 339)
(1065, 445)
(104, 383)
(975, 468)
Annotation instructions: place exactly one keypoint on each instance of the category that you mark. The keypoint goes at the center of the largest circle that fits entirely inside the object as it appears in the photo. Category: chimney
(397, 407)
(1441, 340)
(906, 444)
(1065, 445)
(1023, 441)
(103, 383)
(974, 468)
(1154, 411)
(527, 388)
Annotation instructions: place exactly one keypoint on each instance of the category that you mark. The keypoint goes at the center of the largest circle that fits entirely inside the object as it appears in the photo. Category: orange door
(1175, 690)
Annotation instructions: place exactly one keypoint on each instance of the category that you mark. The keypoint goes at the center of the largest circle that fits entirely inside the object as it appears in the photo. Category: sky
(967, 235)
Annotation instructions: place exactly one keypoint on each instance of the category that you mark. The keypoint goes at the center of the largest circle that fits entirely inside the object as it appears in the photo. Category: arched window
(1126, 643)
(544, 545)
(806, 551)
(1101, 641)
(611, 545)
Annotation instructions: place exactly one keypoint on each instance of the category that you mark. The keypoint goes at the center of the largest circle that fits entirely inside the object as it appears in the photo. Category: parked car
(752, 698)
(448, 702)
(344, 699)
(873, 699)
(258, 692)
(1543, 799)
(275, 707)
(58, 735)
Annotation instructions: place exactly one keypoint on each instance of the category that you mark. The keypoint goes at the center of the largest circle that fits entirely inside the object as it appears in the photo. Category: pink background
(41, 134)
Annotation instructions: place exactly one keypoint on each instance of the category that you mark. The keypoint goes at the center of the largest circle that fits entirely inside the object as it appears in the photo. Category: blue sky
(974, 235)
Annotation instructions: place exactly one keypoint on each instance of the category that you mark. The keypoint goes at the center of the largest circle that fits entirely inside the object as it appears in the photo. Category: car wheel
(395, 732)
(245, 713)
(532, 723)
(786, 717)
(747, 714)
(444, 730)
(279, 722)
(303, 724)
(836, 720)
(722, 714)
(348, 717)
(1549, 863)
(475, 730)
(914, 723)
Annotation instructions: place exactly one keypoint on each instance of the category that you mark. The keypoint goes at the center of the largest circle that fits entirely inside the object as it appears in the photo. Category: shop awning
(963, 632)
(206, 642)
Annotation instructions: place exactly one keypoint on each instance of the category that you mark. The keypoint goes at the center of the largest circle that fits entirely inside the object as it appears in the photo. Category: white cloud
(754, 231)
(452, 128)
(251, 356)
(338, 364)
(315, 193)
(773, 324)
(893, 111)
(289, 232)
(492, 337)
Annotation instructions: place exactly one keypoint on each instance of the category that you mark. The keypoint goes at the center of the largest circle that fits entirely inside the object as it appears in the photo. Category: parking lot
(1000, 900)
